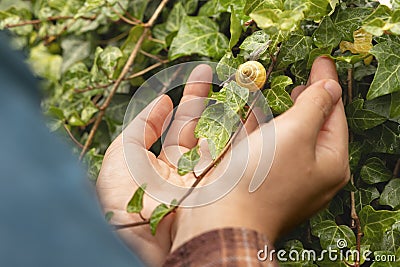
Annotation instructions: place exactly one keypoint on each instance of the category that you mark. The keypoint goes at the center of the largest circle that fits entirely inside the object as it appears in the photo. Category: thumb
(314, 105)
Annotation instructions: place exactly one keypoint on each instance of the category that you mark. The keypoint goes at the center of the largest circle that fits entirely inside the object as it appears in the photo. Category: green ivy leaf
(216, 124)
(355, 151)
(188, 161)
(386, 79)
(391, 194)
(252, 5)
(364, 196)
(385, 138)
(326, 34)
(108, 216)
(277, 97)
(329, 233)
(157, 215)
(108, 60)
(45, 64)
(361, 119)
(232, 95)
(374, 171)
(138, 8)
(198, 35)
(256, 42)
(175, 17)
(394, 112)
(273, 20)
(190, 6)
(376, 22)
(295, 49)
(347, 20)
(235, 29)
(228, 65)
(135, 205)
(377, 228)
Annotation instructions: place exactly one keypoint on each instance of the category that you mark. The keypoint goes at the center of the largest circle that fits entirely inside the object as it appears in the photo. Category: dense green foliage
(80, 47)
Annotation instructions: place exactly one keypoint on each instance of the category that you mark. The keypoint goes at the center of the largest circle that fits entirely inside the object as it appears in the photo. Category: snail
(251, 75)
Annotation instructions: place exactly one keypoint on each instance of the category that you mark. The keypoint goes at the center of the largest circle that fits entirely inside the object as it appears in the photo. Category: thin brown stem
(151, 56)
(173, 77)
(72, 136)
(38, 21)
(356, 224)
(396, 169)
(129, 15)
(156, 14)
(123, 226)
(142, 72)
(350, 84)
(121, 77)
(90, 88)
(123, 18)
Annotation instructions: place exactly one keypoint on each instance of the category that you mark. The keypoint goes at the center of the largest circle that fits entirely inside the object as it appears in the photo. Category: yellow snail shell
(251, 75)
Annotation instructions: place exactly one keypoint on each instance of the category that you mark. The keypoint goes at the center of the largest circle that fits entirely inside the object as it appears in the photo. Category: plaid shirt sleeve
(222, 247)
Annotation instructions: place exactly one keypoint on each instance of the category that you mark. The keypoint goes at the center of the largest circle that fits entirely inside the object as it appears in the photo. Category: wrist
(191, 222)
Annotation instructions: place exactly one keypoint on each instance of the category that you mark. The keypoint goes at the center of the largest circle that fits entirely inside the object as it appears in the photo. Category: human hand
(309, 167)
(115, 185)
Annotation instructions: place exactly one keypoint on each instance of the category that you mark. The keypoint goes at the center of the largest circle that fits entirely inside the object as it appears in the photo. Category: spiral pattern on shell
(251, 75)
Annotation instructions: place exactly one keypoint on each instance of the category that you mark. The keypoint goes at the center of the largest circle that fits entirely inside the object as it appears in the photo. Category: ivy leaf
(273, 20)
(108, 216)
(138, 8)
(294, 49)
(252, 5)
(157, 215)
(386, 78)
(330, 233)
(233, 95)
(74, 50)
(347, 20)
(198, 35)
(377, 228)
(394, 112)
(175, 17)
(355, 151)
(45, 64)
(385, 138)
(190, 5)
(108, 60)
(364, 196)
(228, 65)
(188, 161)
(216, 124)
(391, 194)
(256, 42)
(235, 29)
(326, 34)
(374, 171)
(278, 98)
(376, 22)
(135, 205)
(361, 119)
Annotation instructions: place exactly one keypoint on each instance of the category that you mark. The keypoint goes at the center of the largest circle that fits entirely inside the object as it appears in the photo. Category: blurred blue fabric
(49, 214)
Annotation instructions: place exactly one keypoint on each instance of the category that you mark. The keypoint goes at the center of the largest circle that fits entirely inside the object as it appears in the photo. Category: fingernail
(333, 89)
